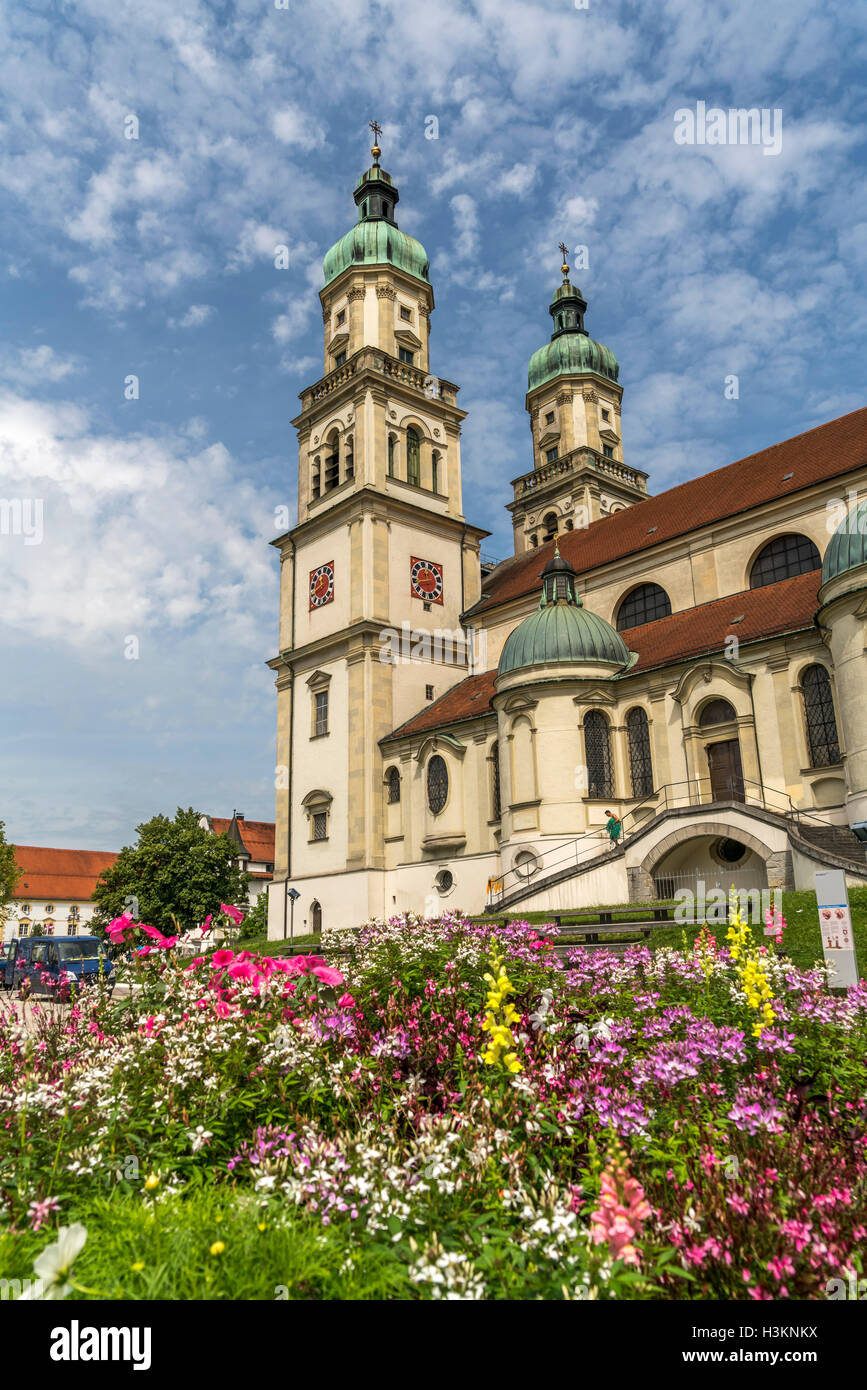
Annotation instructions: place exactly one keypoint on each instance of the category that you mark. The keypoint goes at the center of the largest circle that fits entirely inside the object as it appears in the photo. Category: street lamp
(293, 895)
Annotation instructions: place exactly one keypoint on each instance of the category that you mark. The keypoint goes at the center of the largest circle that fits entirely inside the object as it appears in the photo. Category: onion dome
(571, 350)
(847, 548)
(376, 238)
(562, 632)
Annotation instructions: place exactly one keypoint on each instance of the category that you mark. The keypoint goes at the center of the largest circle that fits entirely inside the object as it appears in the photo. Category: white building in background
(53, 896)
(255, 842)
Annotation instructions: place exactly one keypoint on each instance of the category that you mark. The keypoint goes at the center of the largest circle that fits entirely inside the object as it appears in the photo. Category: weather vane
(376, 131)
(564, 252)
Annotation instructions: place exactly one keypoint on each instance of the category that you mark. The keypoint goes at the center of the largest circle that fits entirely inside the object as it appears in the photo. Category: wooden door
(726, 773)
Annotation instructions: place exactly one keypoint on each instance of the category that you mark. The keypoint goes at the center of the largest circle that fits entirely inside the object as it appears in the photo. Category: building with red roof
(651, 691)
(54, 894)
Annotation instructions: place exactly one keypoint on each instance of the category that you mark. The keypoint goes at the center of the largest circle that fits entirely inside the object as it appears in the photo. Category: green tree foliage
(176, 874)
(9, 874)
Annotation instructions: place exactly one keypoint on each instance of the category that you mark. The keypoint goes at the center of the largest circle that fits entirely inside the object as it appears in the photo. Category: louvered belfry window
(640, 764)
(822, 735)
(597, 747)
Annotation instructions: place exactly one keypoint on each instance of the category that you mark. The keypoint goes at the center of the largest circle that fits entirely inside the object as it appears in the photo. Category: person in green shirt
(614, 826)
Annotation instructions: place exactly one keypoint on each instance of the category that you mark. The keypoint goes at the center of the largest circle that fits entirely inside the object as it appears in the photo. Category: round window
(525, 863)
(437, 784)
(732, 851)
(445, 880)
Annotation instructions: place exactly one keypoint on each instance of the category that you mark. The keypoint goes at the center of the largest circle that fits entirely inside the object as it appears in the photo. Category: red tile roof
(258, 837)
(61, 874)
(785, 607)
(819, 455)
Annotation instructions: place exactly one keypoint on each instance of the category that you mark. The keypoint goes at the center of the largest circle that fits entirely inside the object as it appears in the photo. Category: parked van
(53, 964)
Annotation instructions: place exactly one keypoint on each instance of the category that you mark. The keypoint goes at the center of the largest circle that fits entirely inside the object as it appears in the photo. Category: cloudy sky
(153, 257)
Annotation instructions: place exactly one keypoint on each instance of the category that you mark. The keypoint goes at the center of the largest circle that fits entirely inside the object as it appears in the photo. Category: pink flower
(242, 970)
(618, 1219)
(206, 925)
(346, 1001)
(222, 958)
(327, 974)
(234, 913)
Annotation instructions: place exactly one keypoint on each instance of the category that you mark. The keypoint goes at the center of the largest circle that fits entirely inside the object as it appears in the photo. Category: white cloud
(37, 366)
(196, 315)
(293, 126)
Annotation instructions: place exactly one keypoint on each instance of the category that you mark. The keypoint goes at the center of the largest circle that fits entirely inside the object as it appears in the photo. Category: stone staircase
(836, 839)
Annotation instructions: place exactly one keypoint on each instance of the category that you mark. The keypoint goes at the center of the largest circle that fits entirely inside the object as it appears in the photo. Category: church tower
(573, 399)
(377, 570)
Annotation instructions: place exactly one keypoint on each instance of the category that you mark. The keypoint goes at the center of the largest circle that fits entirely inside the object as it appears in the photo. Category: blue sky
(154, 257)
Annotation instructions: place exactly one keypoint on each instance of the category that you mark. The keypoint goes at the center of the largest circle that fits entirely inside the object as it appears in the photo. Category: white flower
(53, 1264)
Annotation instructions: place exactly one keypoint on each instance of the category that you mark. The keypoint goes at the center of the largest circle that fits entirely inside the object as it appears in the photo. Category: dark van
(53, 964)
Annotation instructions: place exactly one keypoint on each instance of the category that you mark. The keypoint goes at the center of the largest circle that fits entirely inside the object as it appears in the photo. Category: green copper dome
(376, 243)
(847, 548)
(571, 352)
(562, 631)
(376, 239)
(571, 349)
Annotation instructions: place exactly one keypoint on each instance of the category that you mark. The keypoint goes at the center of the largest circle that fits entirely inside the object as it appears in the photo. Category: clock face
(322, 585)
(426, 580)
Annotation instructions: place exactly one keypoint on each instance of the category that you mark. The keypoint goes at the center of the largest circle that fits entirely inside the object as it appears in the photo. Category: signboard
(835, 924)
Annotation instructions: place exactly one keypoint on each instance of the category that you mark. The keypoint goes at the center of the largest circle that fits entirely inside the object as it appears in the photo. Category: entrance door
(726, 773)
(316, 916)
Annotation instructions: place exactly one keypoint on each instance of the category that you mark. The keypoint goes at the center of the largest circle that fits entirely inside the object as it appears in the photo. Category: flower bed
(472, 1115)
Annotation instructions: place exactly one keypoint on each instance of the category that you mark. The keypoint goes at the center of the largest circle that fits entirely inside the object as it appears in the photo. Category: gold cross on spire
(564, 252)
(376, 131)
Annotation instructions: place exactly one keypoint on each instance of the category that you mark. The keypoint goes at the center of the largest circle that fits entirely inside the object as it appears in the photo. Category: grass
(138, 1249)
(802, 940)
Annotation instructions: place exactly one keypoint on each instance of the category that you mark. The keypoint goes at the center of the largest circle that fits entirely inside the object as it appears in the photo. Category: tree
(176, 874)
(10, 872)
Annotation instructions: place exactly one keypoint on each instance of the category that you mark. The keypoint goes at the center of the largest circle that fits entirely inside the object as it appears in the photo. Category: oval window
(437, 784)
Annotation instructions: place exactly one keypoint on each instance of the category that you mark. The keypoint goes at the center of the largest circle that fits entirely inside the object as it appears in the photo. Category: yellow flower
(261, 1226)
(138, 1266)
(152, 1182)
(217, 1248)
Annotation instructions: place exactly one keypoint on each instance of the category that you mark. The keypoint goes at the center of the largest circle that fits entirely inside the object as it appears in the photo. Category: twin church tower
(381, 543)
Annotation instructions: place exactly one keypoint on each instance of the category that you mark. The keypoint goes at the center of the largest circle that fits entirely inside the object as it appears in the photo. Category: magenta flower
(346, 1001)
(222, 958)
(327, 974)
(234, 913)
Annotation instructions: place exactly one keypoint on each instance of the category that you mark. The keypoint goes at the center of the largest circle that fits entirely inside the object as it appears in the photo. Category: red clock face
(426, 580)
(322, 585)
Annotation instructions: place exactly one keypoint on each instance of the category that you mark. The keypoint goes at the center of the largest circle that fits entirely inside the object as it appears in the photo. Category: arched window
(437, 784)
(332, 461)
(393, 779)
(435, 471)
(413, 457)
(822, 739)
(644, 605)
(640, 762)
(316, 477)
(349, 459)
(391, 458)
(549, 521)
(597, 748)
(495, 780)
(716, 712)
(782, 558)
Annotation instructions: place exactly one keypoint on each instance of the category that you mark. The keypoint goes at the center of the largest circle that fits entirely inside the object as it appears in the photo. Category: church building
(454, 733)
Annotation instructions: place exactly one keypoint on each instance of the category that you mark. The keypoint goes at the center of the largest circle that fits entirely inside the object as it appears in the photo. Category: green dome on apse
(562, 631)
(847, 548)
(376, 238)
